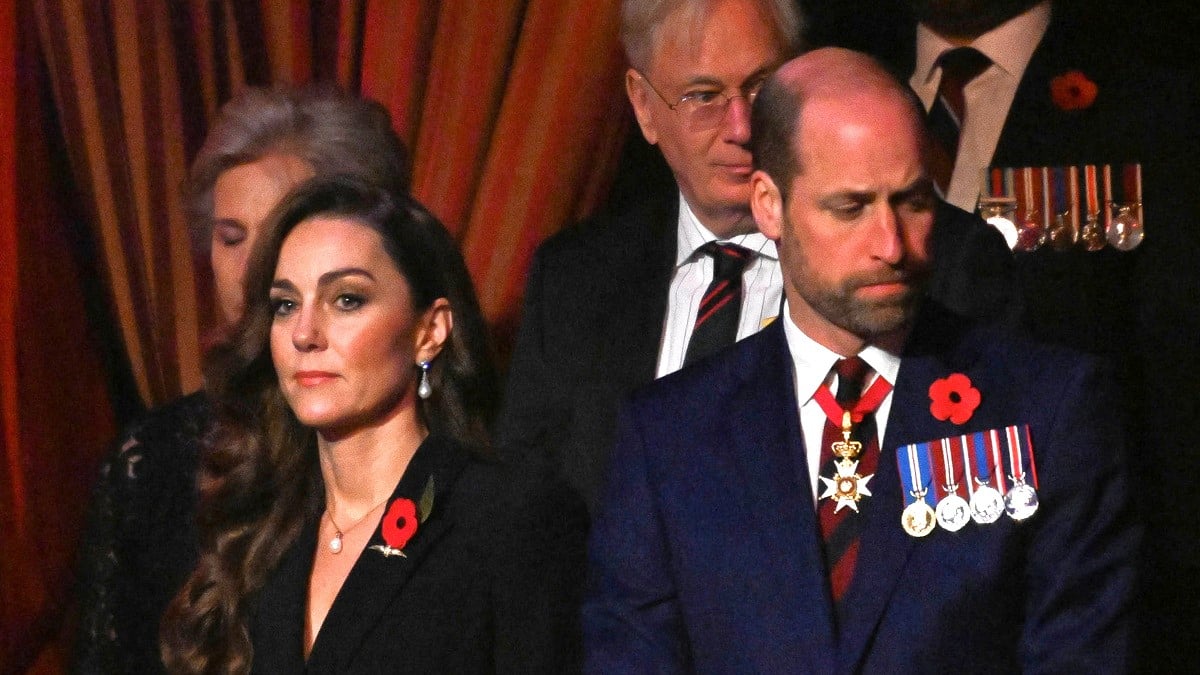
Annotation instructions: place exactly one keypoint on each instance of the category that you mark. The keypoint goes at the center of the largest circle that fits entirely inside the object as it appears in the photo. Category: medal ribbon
(966, 448)
(980, 451)
(1029, 454)
(1047, 215)
(1015, 458)
(997, 467)
(1108, 196)
(997, 183)
(1093, 197)
(867, 403)
(1133, 187)
(948, 467)
(1028, 205)
(937, 471)
(913, 462)
(1073, 196)
(1058, 177)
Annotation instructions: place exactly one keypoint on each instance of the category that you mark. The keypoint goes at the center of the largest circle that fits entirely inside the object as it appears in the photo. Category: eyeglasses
(704, 110)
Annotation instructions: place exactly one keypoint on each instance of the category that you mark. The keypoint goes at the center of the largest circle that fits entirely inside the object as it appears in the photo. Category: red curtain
(513, 110)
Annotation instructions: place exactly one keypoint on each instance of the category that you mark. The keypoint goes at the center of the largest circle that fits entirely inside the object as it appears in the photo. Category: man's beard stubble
(869, 319)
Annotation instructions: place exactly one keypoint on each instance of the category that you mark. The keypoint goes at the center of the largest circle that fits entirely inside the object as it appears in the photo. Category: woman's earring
(424, 390)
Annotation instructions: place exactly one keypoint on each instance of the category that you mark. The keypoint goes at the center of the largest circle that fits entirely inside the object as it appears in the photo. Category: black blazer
(595, 304)
(489, 583)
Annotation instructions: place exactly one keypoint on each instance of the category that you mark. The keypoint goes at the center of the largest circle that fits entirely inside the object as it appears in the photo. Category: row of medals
(953, 512)
(847, 487)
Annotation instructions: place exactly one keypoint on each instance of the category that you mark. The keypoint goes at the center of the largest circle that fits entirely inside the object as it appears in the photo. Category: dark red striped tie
(840, 531)
(948, 112)
(717, 319)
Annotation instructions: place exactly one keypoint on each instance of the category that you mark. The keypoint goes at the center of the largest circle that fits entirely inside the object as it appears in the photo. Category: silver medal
(1021, 501)
(953, 512)
(986, 505)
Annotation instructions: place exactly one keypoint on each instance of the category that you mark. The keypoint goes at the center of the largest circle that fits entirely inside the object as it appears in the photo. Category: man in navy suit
(709, 552)
(611, 303)
(1135, 307)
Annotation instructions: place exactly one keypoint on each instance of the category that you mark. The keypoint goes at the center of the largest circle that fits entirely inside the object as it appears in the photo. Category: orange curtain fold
(562, 107)
(515, 116)
(120, 106)
(56, 415)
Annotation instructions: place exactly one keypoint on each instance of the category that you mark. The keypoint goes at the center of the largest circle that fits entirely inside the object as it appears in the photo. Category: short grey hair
(641, 21)
(333, 132)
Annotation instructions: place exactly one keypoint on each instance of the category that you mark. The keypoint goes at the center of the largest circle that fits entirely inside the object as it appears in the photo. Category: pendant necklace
(335, 543)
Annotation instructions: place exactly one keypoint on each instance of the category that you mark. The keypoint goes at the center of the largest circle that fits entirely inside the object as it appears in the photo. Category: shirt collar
(692, 234)
(1010, 45)
(812, 361)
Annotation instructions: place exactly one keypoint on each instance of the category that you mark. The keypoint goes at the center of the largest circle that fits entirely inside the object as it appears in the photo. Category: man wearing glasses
(615, 302)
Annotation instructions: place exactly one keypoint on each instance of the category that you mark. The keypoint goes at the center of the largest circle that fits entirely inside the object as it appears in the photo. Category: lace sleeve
(99, 641)
(140, 543)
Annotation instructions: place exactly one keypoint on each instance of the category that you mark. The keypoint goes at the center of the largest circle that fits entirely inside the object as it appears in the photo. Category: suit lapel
(279, 614)
(933, 352)
(643, 269)
(764, 423)
(376, 578)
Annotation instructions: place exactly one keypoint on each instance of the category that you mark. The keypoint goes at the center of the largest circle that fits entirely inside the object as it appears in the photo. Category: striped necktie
(717, 319)
(948, 113)
(841, 527)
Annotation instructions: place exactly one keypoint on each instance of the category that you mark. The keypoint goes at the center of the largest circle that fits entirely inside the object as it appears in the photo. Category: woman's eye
(229, 234)
(282, 306)
(348, 301)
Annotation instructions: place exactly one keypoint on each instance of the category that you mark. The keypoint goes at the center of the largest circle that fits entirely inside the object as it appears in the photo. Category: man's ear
(766, 203)
(433, 329)
(639, 98)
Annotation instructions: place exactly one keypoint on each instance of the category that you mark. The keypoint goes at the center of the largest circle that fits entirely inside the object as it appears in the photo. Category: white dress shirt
(762, 287)
(812, 363)
(987, 98)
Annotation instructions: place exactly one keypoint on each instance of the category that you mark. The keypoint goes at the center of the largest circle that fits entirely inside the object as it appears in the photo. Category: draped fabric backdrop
(514, 113)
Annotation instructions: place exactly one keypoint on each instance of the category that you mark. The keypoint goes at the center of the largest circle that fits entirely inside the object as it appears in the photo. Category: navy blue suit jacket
(706, 555)
(593, 321)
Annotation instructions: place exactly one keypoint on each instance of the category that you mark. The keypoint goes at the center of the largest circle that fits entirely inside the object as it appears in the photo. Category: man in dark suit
(1135, 307)
(613, 303)
(716, 549)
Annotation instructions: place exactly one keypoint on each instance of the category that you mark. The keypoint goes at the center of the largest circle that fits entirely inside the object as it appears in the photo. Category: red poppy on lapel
(399, 525)
(1073, 91)
(953, 398)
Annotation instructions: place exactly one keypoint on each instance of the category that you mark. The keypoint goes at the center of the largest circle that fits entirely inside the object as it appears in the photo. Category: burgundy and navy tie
(948, 113)
(840, 528)
(717, 319)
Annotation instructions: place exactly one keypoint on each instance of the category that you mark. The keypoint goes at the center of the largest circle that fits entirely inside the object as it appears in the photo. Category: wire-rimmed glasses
(704, 109)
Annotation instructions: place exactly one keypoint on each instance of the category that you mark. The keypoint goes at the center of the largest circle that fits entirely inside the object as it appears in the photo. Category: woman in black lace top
(141, 542)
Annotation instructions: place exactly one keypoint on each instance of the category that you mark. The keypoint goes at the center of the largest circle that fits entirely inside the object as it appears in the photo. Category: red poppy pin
(401, 520)
(953, 398)
(1073, 91)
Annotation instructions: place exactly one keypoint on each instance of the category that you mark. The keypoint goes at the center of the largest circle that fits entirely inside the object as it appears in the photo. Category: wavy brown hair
(260, 480)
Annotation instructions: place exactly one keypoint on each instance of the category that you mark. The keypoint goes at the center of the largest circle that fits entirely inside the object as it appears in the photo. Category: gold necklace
(335, 544)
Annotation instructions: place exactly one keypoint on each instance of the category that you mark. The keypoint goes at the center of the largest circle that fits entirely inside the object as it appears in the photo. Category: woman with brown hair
(141, 542)
(352, 516)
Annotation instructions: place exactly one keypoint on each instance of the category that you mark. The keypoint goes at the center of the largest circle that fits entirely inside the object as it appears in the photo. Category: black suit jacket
(595, 306)
(489, 583)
